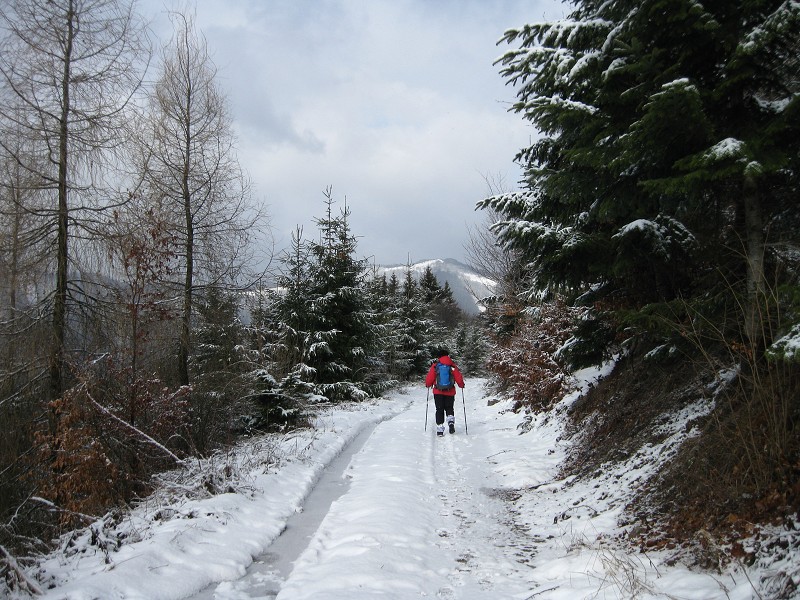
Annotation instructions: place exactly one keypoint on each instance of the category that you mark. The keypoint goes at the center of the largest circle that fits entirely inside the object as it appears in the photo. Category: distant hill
(467, 285)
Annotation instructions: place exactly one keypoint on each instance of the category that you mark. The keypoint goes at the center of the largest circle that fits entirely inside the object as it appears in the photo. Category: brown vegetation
(737, 472)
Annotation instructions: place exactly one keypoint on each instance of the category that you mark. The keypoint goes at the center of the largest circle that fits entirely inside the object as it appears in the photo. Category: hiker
(443, 377)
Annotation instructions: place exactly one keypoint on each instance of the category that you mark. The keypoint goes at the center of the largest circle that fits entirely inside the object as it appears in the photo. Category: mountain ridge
(468, 286)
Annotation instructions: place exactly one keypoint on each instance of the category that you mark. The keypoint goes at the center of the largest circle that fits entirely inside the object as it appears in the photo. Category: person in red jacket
(444, 389)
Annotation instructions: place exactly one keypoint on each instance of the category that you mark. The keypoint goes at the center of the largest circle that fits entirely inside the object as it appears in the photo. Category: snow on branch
(502, 202)
(561, 103)
(127, 425)
(787, 348)
(662, 234)
(727, 148)
(18, 573)
(782, 22)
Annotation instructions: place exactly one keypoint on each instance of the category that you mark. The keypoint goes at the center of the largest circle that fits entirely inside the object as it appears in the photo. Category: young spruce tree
(343, 357)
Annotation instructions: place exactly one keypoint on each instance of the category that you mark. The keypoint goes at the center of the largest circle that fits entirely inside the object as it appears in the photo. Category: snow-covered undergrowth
(579, 522)
(483, 513)
(206, 523)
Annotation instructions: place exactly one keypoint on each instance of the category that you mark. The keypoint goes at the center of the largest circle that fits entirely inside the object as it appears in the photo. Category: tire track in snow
(419, 518)
(264, 577)
(377, 540)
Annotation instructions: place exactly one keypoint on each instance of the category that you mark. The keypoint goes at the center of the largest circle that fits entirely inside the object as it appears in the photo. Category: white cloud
(396, 104)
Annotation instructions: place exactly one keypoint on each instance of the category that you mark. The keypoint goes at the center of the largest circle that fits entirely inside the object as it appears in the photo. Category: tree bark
(754, 228)
(186, 317)
(57, 359)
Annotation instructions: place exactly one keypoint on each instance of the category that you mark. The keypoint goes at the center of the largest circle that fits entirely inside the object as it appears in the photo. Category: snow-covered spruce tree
(414, 328)
(470, 346)
(444, 314)
(343, 357)
(398, 343)
(283, 339)
(384, 303)
(429, 287)
(669, 150)
(662, 193)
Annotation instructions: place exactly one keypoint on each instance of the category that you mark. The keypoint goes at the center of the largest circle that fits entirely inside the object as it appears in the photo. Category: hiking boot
(452, 427)
(440, 434)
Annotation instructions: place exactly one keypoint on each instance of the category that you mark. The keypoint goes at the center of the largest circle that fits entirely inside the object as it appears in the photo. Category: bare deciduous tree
(71, 68)
(193, 172)
(488, 257)
(68, 70)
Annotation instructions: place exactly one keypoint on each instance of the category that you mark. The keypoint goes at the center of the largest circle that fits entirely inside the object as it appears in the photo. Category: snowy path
(407, 515)
(266, 574)
(420, 519)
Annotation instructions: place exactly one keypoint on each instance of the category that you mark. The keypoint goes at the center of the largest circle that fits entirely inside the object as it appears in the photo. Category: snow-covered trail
(421, 518)
(264, 577)
(408, 515)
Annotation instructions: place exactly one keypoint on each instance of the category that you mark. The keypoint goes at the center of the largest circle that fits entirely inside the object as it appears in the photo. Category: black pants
(444, 404)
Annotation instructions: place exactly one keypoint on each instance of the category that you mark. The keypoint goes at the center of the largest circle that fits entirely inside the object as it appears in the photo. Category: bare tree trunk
(192, 168)
(67, 68)
(754, 227)
(13, 275)
(186, 316)
(60, 301)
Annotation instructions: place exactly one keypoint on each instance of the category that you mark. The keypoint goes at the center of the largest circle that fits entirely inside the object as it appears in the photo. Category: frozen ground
(470, 516)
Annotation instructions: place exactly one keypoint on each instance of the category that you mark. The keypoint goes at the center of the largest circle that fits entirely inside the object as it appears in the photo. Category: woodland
(140, 326)
(659, 227)
(656, 226)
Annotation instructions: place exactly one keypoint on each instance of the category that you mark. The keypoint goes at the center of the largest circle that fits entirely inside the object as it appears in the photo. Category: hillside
(468, 286)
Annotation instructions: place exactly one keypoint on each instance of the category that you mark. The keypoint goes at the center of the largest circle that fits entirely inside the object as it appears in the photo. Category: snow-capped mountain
(467, 285)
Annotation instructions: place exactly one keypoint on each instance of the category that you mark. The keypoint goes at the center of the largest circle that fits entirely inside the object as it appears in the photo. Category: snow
(788, 346)
(681, 82)
(661, 235)
(562, 103)
(638, 225)
(775, 106)
(727, 148)
(479, 514)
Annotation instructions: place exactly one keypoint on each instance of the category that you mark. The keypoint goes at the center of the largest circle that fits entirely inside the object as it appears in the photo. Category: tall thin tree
(72, 67)
(193, 171)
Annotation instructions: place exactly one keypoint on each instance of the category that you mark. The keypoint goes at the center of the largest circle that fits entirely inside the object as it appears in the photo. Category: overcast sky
(396, 104)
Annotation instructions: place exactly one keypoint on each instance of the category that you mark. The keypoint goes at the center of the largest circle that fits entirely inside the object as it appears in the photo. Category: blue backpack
(444, 377)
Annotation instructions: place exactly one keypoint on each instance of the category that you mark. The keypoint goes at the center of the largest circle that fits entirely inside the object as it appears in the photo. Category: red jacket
(431, 378)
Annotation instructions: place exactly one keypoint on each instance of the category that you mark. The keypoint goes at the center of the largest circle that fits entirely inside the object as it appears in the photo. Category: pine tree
(216, 399)
(387, 362)
(429, 287)
(413, 328)
(470, 347)
(445, 312)
(670, 147)
(342, 318)
(283, 332)
(393, 285)
(446, 296)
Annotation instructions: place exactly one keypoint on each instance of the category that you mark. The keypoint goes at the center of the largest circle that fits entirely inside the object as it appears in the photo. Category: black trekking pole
(427, 397)
(464, 402)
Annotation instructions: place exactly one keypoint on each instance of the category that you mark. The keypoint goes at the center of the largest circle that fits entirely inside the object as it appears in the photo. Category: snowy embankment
(467, 516)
